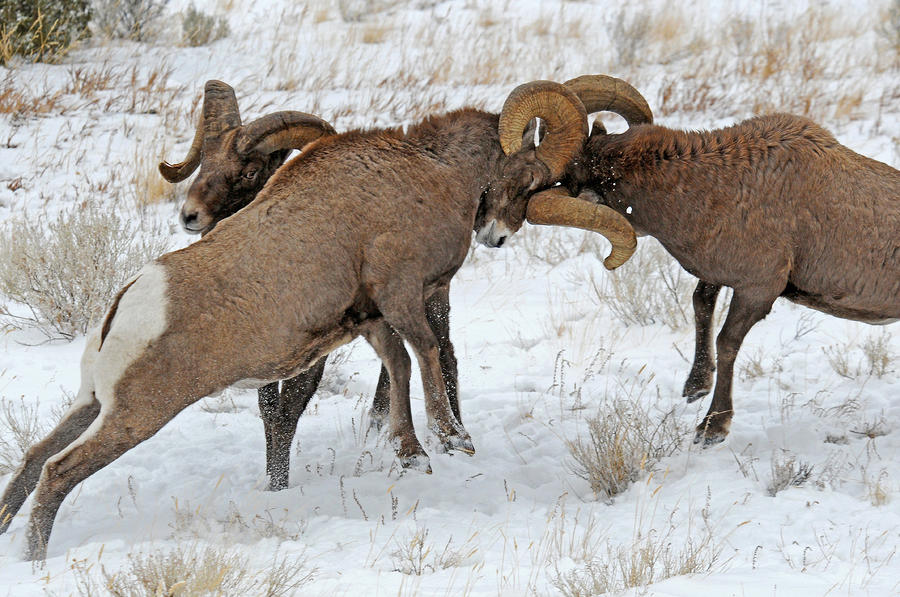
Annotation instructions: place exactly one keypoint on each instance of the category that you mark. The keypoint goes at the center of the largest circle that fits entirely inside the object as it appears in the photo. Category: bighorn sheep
(773, 206)
(233, 169)
(347, 239)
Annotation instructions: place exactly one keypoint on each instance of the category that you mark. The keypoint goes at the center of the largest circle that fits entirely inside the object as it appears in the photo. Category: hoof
(709, 438)
(457, 439)
(698, 385)
(460, 444)
(694, 395)
(376, 422)
(416, 462)
(411, 455)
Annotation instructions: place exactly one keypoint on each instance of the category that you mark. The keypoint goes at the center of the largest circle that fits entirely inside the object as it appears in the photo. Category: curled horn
(555, 207)
(282, 130)
(604, 93)
(220, 114)
(563, 114)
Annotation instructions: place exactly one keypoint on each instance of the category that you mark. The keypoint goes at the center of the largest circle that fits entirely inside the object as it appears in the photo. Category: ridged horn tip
(555, 207)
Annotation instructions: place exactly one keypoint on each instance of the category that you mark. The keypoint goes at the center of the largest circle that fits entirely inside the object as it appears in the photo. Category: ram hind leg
(280, 410)
(125, 420)
(390, 350)
(700, 379)
(381, 403)
(74, 422)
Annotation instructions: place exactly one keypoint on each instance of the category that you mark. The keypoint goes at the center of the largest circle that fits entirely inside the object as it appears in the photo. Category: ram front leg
(700, 379)
(402, 434)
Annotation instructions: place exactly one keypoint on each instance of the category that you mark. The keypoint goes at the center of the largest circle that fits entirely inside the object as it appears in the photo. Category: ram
(348, 239)
(233, 168)
(771, 207)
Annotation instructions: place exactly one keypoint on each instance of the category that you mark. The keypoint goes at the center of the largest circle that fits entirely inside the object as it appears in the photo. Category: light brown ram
(771, 207)
(232, 170)
(350, 238)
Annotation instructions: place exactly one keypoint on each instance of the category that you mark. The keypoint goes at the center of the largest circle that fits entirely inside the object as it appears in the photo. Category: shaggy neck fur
(673, 184)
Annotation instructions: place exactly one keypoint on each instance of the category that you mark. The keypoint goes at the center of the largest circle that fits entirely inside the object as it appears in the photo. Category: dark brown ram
(771, 207)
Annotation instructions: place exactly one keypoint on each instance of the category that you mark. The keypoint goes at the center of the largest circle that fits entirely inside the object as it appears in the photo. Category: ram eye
(251, 174)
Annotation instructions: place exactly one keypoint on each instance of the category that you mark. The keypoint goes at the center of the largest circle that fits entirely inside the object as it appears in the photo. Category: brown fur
(360, 230)
(773, 206)
(228, 180)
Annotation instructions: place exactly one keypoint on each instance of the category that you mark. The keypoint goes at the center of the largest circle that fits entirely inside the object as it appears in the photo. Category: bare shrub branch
(67, 269)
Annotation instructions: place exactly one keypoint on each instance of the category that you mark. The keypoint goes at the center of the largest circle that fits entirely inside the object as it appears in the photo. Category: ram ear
(534, 133)
(597, 128)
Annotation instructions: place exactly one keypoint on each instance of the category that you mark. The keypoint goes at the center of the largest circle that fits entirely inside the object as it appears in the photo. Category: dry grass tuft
(87, 82)
(651, 558)
(877, 350)
(148, 187)
(415, 555)
(878, 488)
(787, 471)
(18, 101)
(624, 441)
(194, 571)
(651, 288)
(596, 565)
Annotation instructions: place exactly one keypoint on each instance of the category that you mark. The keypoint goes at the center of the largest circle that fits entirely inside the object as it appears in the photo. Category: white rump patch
(139, 319)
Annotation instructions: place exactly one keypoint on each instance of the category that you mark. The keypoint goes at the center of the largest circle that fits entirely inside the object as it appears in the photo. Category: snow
(539, 352)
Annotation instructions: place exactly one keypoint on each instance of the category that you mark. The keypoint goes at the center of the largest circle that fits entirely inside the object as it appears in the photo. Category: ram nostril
(189, 220)
(500, 241)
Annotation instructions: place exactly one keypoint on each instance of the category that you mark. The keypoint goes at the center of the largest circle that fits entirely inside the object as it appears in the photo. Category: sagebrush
(137, 20)
(66, 269)
(199, 28)
(623, 442)
(21, 426)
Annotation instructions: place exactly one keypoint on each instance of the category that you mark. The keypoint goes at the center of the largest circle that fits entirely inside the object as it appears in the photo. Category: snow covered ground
(801, 499)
